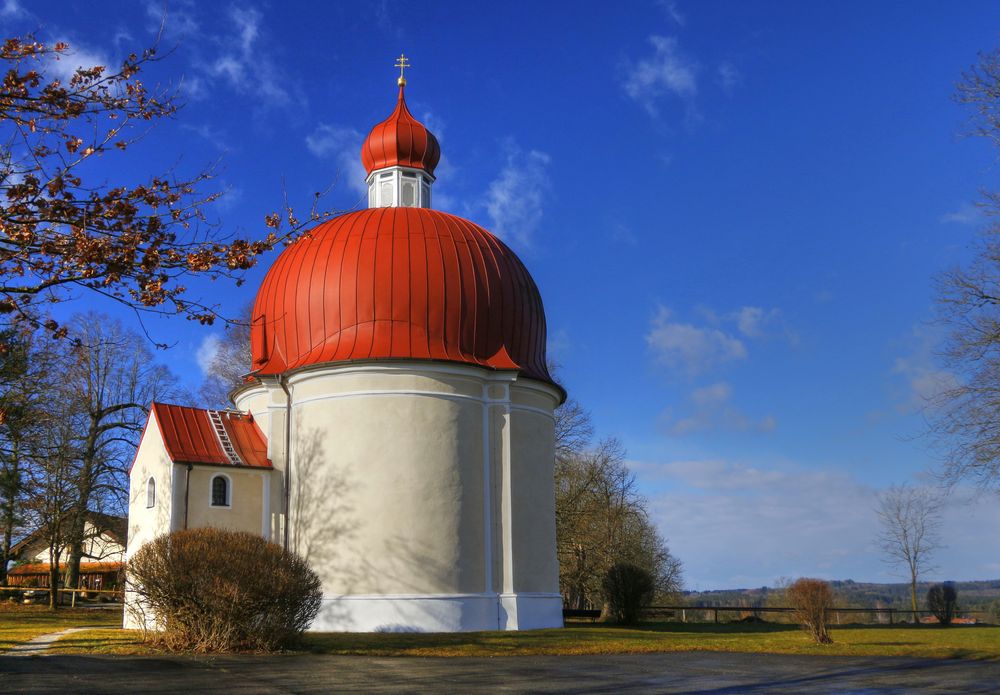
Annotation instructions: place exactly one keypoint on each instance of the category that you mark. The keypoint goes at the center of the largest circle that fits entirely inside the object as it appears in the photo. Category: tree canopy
(964, 416)
(64, 227)
(601, 519)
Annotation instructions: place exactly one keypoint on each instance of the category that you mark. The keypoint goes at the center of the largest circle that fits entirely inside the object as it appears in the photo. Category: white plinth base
(438, 613)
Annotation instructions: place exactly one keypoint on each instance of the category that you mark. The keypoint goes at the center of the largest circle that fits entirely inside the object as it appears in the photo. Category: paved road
(698, 672)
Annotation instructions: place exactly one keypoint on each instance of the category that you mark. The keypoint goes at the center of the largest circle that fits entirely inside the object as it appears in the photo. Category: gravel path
(41, 643)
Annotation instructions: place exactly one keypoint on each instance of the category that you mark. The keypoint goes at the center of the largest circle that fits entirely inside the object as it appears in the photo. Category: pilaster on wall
(496, 481)
(267, 403)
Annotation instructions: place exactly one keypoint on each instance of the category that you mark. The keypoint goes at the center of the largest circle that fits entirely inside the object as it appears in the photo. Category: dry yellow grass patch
(926, 641)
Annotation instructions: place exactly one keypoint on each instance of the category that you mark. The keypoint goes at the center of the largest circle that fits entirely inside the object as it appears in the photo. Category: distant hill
(972, 596)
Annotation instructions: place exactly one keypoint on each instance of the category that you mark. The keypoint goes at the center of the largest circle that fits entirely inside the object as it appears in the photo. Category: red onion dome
(400, 140)
(398, 283)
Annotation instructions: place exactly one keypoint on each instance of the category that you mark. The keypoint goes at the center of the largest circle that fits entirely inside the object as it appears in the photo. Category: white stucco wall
(151, 461)
(246, 493)
(397, 475)
(146, 523)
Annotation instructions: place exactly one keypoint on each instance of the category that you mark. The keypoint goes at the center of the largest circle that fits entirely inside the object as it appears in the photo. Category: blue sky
(734, 212)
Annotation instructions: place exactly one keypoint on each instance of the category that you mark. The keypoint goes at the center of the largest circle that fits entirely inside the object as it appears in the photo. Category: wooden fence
(114, 594)
(698, 613)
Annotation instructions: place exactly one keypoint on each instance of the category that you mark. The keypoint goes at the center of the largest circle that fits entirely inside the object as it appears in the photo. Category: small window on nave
(220, 491)
(150, 493)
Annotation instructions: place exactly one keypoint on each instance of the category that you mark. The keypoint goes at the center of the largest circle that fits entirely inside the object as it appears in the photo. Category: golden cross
(402, 62)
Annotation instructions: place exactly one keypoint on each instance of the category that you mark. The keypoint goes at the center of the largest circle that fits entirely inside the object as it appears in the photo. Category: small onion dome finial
(400, 140)
(402, 62)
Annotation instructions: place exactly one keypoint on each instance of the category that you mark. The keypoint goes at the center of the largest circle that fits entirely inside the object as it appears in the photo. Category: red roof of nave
(398, 283)
(400, 140)
(190, 437)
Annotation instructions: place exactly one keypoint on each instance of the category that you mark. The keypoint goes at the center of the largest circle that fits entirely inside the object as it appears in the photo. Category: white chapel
(396, 424)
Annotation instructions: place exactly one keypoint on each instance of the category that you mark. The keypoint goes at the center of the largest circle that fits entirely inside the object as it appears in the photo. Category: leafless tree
(911, 521)
(108, 380)
(52, 493)
(601, 520)
(27, 370)
(230, 363)
(574, 429)
(964, 416)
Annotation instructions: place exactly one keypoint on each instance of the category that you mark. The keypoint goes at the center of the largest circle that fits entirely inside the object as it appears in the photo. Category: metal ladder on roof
(227, 445)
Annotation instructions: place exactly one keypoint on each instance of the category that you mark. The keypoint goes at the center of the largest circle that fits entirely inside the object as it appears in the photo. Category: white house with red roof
(396, 427)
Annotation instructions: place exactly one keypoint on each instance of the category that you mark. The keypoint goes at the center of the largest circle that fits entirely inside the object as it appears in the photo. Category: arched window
(220, 491)
(150, 493)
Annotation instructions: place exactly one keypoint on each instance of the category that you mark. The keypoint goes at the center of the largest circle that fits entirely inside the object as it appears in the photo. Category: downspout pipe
(187, 493)
(283, 383)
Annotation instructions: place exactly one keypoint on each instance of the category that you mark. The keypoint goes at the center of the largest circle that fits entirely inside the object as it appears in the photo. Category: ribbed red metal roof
(398, 283)
(400, 140)
(190, 437)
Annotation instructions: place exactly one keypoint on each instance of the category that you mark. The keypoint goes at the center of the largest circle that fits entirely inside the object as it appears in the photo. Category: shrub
(994, 612)
(812, 600)
(941, 601)
(627, 589)
(217, 590)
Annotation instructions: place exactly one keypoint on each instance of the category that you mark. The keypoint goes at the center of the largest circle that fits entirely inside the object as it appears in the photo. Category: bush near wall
(217, 590)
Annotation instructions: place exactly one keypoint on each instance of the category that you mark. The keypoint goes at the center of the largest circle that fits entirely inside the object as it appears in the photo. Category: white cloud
(515, 199)
(215, 136)
(713, 395)
(343, 146)
(751, 320)
(176, 18)
(737, 525)
(433, 123)
(711, 410)
(966, 213)
(244, 64)
(207, 352)
(12, 8)
(729, 76)
(194, 87)
(384, 19)
(622, 234)
(558, 345)
(691, 348)
(78, 56)
(740, 525)
(666, 73)
(669, 8)
(446, 174)
(925, 380)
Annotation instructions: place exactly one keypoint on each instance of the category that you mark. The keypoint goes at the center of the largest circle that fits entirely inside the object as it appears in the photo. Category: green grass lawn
(980, 642)
(19, 623)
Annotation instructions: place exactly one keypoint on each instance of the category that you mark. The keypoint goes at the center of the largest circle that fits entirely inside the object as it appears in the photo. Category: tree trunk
(913, 596)
(88, 465)
(54, 554)
(5, 555)
(9, 513)
(75, 544)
